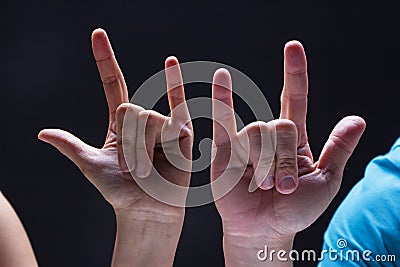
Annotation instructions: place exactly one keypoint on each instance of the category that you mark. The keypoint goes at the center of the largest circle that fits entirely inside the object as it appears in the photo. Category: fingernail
(131, 165)
(268, 182)
(141, 171)
(287, 183)
(122, 163)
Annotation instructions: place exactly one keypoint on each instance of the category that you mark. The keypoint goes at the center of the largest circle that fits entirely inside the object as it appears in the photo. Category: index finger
(175, 90)
(222, 108)
(110, 73)
(295, 89)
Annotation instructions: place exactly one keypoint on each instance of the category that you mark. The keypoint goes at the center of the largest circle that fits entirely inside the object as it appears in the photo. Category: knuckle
(266, 163)
(121, 110)
(140, 147)
(125, 141)
(257, 128)
(175, 98)
(254, 133)
(150, 117)
(110, 79)
(134, 108)
(145, 113)
(342, 143)
(222, 97)
(223, 116)
(187, 131)
(285, 125)
(264, 126)
(146, 117)
(253, 127)
(151, 122)
(69, 142)
(286, 162)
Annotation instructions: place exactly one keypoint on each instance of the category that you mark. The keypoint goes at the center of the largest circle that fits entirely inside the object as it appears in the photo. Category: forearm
(240, 250)
(15, 248)
(145, 240)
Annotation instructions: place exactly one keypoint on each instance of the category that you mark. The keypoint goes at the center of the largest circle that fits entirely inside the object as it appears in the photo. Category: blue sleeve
(367, 223)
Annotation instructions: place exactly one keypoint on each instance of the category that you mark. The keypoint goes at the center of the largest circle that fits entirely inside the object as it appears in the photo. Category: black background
(49, 79)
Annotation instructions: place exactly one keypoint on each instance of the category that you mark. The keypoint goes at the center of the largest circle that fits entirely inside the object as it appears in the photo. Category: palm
(118, 187)
(272, 212)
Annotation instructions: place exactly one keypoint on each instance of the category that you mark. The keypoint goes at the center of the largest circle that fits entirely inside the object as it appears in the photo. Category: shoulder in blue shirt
(365, 230)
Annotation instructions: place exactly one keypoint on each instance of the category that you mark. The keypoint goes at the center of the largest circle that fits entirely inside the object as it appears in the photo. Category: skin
(147, 230)
(296, 190)
(15, 248)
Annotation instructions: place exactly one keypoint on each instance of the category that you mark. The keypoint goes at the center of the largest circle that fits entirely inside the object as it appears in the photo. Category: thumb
(68, 144)
(340, 145)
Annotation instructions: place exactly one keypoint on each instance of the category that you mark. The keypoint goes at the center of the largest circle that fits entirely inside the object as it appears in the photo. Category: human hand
(109, 169)
(294, 190)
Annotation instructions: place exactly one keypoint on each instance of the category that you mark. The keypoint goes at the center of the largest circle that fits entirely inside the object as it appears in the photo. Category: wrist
(170, 216)
(256, 250)
(146, 238)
